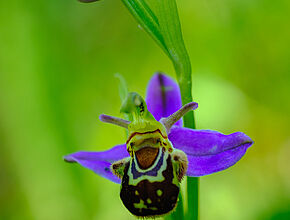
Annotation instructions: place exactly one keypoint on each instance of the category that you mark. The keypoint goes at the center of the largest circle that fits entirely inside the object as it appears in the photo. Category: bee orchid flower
(159, 151)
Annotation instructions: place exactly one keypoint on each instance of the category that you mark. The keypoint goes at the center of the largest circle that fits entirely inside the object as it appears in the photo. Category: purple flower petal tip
(69, 159)
(209, 151)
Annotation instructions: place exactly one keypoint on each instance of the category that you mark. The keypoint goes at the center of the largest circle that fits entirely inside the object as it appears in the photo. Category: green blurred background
(57, 66)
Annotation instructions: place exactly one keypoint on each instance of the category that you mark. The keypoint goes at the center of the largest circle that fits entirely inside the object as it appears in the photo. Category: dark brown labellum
(148, 198)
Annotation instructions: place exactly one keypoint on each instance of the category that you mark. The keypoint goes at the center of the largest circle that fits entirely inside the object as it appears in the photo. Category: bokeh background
(57, 66)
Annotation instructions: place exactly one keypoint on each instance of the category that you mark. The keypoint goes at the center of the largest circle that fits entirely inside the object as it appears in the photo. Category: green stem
(185, 83)
(192, 195)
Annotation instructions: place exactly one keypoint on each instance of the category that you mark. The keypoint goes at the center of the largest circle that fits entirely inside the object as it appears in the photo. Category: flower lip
(146, 156)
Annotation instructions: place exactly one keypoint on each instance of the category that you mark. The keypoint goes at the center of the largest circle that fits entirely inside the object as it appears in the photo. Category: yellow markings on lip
(140, 205)
(159, 192)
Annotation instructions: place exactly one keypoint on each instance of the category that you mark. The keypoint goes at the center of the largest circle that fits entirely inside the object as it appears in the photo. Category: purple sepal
(100, 162)
(163, 97)
(209, 151)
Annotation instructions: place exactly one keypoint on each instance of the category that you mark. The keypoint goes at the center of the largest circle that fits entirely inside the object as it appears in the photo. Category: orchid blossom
(197, 152)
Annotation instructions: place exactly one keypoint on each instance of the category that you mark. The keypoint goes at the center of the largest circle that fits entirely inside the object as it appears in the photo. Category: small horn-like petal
(114, 120)
(172, 119)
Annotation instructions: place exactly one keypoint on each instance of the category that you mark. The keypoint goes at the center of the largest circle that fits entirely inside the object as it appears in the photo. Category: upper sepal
(163, 97)
(209, 151)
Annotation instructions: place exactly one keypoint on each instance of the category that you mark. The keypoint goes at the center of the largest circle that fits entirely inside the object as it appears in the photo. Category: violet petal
(209, 151)
(163, 97)
(100, 162)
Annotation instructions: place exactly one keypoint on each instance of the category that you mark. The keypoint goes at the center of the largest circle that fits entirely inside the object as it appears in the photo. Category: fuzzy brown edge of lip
(146, 156)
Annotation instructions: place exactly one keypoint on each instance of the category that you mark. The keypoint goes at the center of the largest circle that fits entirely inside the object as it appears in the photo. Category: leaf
(170, 28)
(147, 19)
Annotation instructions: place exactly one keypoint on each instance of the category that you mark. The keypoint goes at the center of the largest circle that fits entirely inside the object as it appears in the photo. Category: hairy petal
(163, 97)
(100, 162)
(209, 151)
